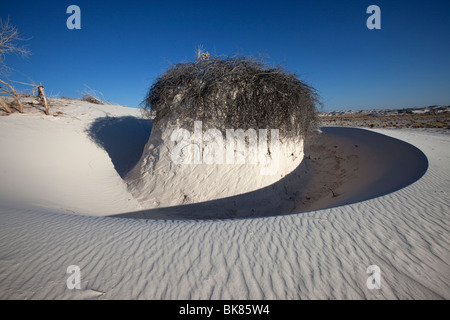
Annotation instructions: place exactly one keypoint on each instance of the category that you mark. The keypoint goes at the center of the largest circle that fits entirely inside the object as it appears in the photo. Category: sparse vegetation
(394, 119)
(233, 93)
(93, 96)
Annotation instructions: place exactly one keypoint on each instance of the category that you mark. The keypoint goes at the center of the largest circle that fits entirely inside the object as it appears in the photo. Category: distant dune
(436, 117)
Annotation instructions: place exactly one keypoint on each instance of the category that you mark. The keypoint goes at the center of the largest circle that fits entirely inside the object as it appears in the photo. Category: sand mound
(162, 178)
(223, 126)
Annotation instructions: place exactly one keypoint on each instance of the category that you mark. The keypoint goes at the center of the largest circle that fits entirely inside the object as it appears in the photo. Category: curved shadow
(123, 138)
(386, 164)
(366, 165)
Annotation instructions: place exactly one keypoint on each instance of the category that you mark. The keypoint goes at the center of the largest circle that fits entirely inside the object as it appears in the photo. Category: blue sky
(124, 45)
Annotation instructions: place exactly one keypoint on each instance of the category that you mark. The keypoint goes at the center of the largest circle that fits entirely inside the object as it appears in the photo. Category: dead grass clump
(91, 99)
(93, 96)
(233, 93)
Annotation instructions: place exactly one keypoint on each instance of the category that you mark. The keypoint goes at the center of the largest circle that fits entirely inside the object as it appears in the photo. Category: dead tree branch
(4, 106)
(9, 38)
(41, 95)
(13, 93)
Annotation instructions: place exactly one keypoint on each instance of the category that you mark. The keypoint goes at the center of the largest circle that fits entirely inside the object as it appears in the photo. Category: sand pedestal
(182, 165)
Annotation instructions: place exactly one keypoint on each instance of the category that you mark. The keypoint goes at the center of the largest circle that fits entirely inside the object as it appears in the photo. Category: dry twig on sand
(41, 96)
(12, 92)
(4, 105)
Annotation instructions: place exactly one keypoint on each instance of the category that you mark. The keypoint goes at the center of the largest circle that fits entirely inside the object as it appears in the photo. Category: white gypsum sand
(52, 160)
(216, 165)
(51, 166)
(342, 166)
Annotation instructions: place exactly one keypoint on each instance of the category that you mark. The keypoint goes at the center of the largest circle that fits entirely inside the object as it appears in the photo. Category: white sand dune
(54, 161)
(52, 167)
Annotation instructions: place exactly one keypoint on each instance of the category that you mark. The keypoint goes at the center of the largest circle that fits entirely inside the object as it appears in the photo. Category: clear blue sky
(124, 45)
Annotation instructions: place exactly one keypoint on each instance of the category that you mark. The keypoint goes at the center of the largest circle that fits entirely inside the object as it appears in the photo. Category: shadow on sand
(123, 138)
(366, 165)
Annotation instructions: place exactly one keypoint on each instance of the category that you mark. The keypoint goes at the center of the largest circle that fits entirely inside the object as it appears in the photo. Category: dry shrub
(91, 99)
(93, 96)
(233, 93)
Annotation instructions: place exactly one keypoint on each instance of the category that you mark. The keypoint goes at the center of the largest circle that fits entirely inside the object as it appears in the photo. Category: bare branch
(13, 93)
(4, 105)
(9, 43)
